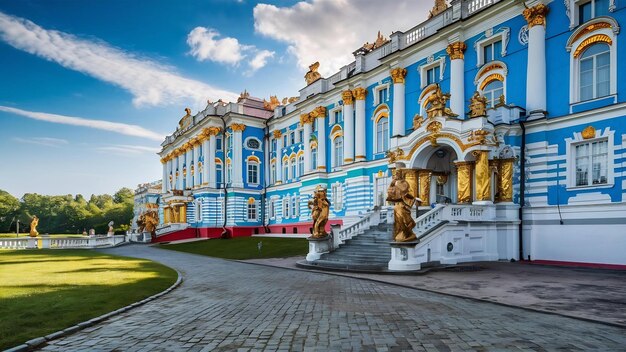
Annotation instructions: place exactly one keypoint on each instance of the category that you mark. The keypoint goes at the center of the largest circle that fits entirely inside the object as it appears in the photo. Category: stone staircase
(369, 251)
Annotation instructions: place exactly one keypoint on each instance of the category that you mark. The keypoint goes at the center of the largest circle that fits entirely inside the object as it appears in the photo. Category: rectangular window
(584, 12)
(272, 209)
(337, 197)
(274, 145)
(253, 173)
(338, 116)
(591, 163)
(292, 136)
(492, 51)
(293, 207)
(218, 143)
(285, 140)
(301, 136)
(432, 75)
(252, 211)
(382, 95)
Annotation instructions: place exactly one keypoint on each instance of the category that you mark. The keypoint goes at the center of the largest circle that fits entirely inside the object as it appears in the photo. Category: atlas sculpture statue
(399, 193)
(319, 206)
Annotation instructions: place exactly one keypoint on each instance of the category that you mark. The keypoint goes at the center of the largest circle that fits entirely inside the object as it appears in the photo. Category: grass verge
(245, 247)
(45, 291)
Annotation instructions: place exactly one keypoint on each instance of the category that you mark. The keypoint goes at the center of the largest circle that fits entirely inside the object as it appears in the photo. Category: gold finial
(312, 75)
(243, 95)
(272, 104)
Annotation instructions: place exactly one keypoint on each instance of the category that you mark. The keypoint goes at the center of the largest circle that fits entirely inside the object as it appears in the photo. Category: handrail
(45, 242)
(429, 220)
(372, 218)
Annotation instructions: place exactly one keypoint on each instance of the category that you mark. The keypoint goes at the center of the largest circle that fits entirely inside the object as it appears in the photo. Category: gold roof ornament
(243, 95)
(272, 104)
(439, 7)
(312, 75)
(589, 132)
(186, 120)
(367, 47)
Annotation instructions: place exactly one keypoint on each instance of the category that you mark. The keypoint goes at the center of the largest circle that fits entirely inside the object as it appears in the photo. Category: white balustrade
(45, 242)
(363, 224)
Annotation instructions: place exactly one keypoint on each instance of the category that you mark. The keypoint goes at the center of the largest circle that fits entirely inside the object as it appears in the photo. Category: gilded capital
(238, 127)
(456, 50)
(347, 97)
(318, 113)
(213, 131)
(536, 15)
(398, 74)
(195, 141)
(359, 93)
(304, 119)
(277, 134)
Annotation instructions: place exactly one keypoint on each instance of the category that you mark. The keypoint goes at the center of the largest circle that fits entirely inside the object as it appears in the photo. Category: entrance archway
(433, 175)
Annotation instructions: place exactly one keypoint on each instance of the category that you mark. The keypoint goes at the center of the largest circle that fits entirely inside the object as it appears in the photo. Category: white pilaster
(359, 124)
(164, 179)
(307, 146)
(188, 163)
(237, 154)
(348, 127)
(209, 158)
(319, 113)
(536, 70)
(457, 77)
(279, 157)
(398, 74)
(196, 159)
(181, 165)
(169, 164)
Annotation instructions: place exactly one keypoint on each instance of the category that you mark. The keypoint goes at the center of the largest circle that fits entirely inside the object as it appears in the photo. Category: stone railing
(469, 212)
(375, 217)
(429, 220)
(60, 242)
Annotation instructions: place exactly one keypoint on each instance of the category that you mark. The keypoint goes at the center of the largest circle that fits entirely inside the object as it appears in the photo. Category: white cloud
(126, 149)
(329, 31)
(206, 45)
(121, 128)
(150, 82)
(45, 141)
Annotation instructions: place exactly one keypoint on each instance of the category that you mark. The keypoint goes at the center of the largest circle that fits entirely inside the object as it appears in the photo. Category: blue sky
(87, 88)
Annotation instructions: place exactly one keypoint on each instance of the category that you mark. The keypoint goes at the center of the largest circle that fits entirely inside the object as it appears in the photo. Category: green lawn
(45, 291)
(245, 247)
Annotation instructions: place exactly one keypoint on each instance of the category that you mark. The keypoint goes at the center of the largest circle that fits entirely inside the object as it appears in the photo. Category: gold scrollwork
(483, 177)
(603, 38)
(589, 132)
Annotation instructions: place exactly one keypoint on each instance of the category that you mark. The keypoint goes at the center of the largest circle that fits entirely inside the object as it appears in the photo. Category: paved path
(225, 305)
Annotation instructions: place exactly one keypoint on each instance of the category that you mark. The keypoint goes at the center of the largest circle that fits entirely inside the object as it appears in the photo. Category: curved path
(225, 305)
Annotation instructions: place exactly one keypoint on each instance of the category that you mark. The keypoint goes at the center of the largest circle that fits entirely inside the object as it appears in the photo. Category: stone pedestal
(317, 247)
(404, 256)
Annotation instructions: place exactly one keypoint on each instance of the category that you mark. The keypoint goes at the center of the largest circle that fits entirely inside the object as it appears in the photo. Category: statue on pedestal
(151, 221)
(478, 105)
(33, 227)
(110, 232)
(319, 206)
(399, 194)
(312, 75)
(437, 104)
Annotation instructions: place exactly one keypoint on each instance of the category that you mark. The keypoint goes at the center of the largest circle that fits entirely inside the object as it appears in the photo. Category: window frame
(570, 151)
(254, 164)
(488, 38)
(430, 64)
(381, 86)
(252, 206)
(337, 196)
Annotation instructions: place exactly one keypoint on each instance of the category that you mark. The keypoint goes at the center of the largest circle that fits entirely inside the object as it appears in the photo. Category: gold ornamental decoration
(483, 177)
(536, 15)
(277, 134)
(272, 104)
(456, 50)
(395, 155)
(434, 127)
(491, 78)
(312, 75)
(318, 113)
(478, 105)
(423, 181)
(33, 227)
(359, 93)
(439, 7)
(418, 120)
(398, 74)
(319, 206)
(589, 132)
(505, 180)
(304, 119)
(347, 97)
(598, 38)
(436, 104)
(214, 131)
(478, 136)
(591, 28)
(403, 223)
(238, 127)
(464, 181)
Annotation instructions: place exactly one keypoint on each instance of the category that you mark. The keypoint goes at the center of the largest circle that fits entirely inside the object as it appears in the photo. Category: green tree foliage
(67, 213)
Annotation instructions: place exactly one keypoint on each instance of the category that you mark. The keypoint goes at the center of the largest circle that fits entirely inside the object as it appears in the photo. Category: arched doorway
(433, 175)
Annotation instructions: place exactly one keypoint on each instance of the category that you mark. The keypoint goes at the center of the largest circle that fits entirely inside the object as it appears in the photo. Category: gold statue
(440, 6)
(478, 105)
(151, 221)
(319, 206)
(399, 193)
(33, 227)
(418, 120)
(501, 101)
(312, 75)
(272, 104)
(437, 104)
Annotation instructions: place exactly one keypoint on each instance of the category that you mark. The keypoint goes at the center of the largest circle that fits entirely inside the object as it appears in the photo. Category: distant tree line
(67, 214)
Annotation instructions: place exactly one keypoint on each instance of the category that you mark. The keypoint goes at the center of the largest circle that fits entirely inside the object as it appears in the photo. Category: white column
(348, 127)
(307, 143)
(164, 182)
(188, 163)
(359, 124)
(169, 172)
(398, 74)
(279, 157)
(457, 81)
(237, 154)
(209, 158)
(319, 113)
(536, 70)
(196, 158)
(181, 164)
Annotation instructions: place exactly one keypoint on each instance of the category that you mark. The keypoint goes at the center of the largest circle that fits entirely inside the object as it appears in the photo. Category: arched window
(301, 165)
(382, 134)
(594, 72)
(338, 151)
(492, 91)
(294, 168)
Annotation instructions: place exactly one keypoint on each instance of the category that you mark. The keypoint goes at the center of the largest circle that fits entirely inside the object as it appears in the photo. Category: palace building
(485, 106)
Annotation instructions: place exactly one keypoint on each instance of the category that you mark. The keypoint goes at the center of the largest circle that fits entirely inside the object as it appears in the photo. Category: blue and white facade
(556, 96)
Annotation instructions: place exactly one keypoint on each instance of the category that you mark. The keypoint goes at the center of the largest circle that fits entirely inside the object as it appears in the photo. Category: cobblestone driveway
(228, 306)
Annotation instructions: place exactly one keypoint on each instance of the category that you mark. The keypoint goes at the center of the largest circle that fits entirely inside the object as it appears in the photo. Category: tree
(123, 195)
(9, 206)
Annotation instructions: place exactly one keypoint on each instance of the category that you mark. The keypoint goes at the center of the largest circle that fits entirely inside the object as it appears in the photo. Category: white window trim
(245, 143)
(256, 211)
(375, 137)
(337, 186)
(198, 210)
(378, 88)
(293, 207)
(502, 34)
(258, 172)
(574, 66)
(571, 9)
(272, 212)
(482, 76)
(331, 114)
(285, 210)
(423, 69)
(570, 143)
